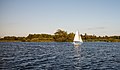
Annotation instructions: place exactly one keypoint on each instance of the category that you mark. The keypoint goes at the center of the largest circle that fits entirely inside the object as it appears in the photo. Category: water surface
(59, 56)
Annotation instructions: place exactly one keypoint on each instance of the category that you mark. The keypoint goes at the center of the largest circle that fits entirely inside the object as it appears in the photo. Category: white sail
(77, 37)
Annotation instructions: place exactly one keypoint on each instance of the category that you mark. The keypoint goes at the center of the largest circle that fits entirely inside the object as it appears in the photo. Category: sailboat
(77, 39)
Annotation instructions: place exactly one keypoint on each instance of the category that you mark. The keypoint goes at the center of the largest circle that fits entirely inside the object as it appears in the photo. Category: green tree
(60, 36)
(70, 37)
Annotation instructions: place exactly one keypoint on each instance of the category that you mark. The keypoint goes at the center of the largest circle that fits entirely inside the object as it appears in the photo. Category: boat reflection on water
(77, 49)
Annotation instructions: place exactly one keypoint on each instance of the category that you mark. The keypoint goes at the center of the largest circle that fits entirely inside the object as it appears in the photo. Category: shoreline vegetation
(59, 36)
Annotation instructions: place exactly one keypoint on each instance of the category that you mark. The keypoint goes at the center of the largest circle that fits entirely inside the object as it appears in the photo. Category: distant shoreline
(59, 36)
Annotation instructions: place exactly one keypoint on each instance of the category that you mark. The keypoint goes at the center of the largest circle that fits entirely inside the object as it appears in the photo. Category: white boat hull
(77, 43)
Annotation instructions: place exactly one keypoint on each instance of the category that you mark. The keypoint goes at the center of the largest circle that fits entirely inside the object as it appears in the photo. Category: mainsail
(77, 37)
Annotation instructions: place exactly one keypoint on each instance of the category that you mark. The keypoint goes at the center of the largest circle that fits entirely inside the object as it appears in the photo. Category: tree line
(59, 36)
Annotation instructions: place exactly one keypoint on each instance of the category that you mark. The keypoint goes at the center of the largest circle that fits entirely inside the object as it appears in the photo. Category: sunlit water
(59, 56)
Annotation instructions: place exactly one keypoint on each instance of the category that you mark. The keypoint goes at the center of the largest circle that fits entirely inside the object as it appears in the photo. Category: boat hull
(77, 43)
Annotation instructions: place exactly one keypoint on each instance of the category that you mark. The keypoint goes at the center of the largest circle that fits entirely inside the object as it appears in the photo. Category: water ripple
(59, 56)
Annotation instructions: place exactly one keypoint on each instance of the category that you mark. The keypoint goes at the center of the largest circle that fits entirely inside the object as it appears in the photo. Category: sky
(23, 17)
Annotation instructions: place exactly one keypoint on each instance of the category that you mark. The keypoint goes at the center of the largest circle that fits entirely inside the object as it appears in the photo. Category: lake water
(59, 56)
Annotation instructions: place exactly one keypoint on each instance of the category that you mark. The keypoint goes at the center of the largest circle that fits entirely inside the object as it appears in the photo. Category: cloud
(94, 28)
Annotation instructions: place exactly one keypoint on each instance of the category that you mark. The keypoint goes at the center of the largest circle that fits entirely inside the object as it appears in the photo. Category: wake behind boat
(77, 39)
